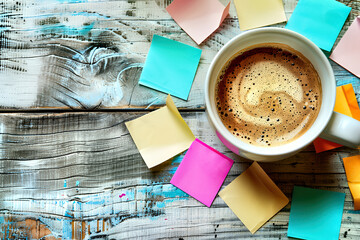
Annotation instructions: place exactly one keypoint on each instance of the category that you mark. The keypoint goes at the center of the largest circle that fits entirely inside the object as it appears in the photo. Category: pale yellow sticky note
(259, 13)
(254, 197)
(352, 169)
(160, 135)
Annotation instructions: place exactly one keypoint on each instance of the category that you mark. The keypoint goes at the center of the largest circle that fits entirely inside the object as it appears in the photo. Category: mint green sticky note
(170, 67)
(315, 214)
(319, 20)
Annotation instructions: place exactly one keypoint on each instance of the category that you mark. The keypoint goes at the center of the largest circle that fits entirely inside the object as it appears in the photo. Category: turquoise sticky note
(319, 20)
(315, 214)
(170, 67)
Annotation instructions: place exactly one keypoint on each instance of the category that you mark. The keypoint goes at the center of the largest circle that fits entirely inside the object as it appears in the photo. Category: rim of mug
(260, 150)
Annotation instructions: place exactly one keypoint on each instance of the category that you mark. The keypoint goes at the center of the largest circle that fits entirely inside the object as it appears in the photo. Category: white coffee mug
(329, 125)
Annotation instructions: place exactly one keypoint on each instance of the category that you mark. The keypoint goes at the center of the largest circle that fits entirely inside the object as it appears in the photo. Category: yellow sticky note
(347, 104)
(254, 197)
(352, 169)
(160, 135)
(259, 13)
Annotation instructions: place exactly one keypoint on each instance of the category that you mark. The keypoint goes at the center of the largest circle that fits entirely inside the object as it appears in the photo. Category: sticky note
(347, 52)
(254, 197)
(170, 67)
(259, 13)
(352, 169)
(315, 214)
(345, 103)
(202, 172)
(319, 21)
(198, 18)
(161, 134)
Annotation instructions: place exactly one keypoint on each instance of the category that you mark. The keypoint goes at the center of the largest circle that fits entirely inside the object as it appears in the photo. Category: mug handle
(343, 130)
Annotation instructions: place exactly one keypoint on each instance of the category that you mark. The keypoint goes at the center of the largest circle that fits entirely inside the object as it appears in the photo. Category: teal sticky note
(319, 20)
(170, 67)
(315, 214)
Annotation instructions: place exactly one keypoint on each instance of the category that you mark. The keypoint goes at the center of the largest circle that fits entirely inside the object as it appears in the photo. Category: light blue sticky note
(170, 67)
(315, 214)
(319, 20)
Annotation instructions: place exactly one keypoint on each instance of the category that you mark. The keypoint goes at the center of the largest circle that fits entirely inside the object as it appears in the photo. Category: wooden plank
(79, 175)
(89, 54)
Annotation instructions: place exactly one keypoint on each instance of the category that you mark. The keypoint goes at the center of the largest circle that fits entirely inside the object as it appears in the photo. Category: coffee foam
(268, 95)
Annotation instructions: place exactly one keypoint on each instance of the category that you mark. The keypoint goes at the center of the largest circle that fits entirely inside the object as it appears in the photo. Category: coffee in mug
(268, 94)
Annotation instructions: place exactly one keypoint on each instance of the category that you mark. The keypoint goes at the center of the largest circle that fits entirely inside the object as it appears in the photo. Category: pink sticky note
(198, 18)
(347, 52)
(202, 172)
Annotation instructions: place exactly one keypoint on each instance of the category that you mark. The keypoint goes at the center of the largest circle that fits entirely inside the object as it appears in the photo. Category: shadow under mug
(329, 125)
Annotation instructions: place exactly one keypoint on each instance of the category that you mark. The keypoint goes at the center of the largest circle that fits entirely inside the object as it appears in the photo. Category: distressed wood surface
(89, 54)
(66, 174)
(78, 185)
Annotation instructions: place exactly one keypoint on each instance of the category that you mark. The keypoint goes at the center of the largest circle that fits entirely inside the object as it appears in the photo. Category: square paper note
(347, 52)
(198, 18)
(352, 169)
(258, 13)
(160, 135)
(315, 214)
(254, 197)
(320, 21)
(347, 104)
(202, 172)
(170, 67)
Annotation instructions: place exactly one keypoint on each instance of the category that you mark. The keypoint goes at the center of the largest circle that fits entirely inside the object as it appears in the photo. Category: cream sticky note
(347, 52)
(161, 134)
(254, 197)
(198, 18)
(259, 13)
(352, 169)
(346, 103)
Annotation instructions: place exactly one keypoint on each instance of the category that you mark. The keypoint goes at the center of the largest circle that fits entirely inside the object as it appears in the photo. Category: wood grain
(75, 171)
(89, 55)
(69, 169)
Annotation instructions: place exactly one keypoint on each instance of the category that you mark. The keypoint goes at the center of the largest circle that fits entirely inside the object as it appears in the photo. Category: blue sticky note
(315, 214)
(170, 67)
(319, 20)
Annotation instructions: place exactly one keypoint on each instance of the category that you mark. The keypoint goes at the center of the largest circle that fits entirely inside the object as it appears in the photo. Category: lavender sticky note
(202, 172)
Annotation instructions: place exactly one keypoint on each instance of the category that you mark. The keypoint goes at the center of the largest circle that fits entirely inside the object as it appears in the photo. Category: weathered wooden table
(68, 166)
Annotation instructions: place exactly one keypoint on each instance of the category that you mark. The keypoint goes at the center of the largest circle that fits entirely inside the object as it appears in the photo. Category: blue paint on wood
(66, 229)
(72, 1)
(353, 80)
(353, 211)
(61, 29)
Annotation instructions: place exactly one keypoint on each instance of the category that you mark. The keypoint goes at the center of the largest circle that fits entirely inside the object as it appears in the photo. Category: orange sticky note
(347, 104)
(352, 169)
(352, 101)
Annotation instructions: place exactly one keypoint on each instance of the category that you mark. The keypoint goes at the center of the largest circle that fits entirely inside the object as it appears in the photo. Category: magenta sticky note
(347, 52)
(202, 172)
